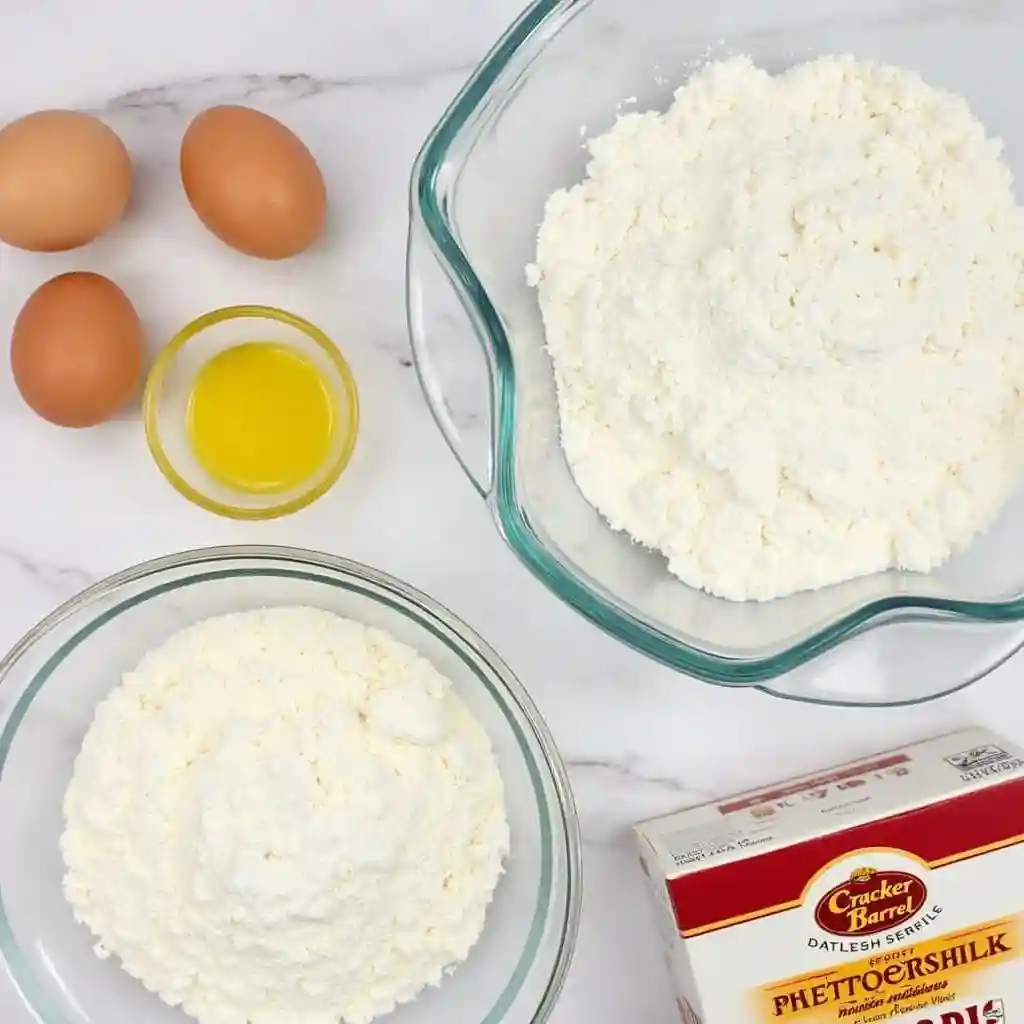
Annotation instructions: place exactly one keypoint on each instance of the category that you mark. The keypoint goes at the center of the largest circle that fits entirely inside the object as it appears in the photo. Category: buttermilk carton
(887, 888)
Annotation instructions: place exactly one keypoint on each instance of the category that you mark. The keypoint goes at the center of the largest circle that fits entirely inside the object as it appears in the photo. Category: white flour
(284, 817)
(785, 322)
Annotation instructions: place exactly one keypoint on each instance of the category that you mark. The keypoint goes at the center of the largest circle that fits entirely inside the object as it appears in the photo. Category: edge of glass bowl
(512, 521)
(461, 639)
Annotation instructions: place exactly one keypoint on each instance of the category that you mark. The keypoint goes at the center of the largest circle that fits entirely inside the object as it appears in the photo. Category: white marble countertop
(363, 84)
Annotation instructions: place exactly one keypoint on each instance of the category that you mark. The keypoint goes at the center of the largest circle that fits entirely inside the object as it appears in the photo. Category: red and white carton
(888, 888)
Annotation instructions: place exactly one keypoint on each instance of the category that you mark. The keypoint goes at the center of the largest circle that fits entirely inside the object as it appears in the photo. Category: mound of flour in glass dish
(283, 816)
(785, 319)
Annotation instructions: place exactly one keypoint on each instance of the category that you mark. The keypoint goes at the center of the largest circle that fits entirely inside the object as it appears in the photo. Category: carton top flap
(829, 801)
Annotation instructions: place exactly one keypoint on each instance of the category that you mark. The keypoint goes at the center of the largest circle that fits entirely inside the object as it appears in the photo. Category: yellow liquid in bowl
(261, 417)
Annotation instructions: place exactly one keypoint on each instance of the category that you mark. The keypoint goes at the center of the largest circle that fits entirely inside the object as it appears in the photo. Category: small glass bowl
(53, 679)
(169, 385)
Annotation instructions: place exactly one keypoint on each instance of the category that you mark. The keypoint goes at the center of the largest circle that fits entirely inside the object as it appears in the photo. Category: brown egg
(252, 182)
(76, 350)
(65, 177)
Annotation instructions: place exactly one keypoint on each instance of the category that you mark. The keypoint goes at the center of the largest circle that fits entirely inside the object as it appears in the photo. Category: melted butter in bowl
(261, 417)
(251, 412)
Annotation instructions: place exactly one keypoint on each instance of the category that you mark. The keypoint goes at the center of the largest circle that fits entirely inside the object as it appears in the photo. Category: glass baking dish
(513, 135)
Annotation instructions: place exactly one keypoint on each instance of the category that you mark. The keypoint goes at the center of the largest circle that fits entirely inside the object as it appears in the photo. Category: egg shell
(65, 178)
(77, 350)
(252, 182)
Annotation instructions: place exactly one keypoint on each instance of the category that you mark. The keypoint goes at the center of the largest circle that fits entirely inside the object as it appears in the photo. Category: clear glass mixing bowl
(52, 680)
(512, 136)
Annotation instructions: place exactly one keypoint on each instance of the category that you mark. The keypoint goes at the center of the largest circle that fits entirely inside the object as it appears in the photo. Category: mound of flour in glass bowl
(785, 319)
(284, 816)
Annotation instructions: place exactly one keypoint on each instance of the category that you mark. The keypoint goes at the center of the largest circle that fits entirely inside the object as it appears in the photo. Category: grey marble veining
(61, 580)
(187, 95)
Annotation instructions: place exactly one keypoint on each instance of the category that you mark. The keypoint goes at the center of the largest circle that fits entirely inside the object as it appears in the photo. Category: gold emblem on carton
(861, 876)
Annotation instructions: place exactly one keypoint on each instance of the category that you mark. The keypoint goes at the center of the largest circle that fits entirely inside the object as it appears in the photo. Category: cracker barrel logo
(870, 901)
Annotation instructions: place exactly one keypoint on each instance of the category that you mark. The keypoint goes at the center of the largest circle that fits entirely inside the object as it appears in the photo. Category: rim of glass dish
(154, 387)
(511, 519)
(539, 750)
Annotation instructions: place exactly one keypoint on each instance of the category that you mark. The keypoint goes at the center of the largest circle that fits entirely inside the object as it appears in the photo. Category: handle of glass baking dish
(450, 362)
